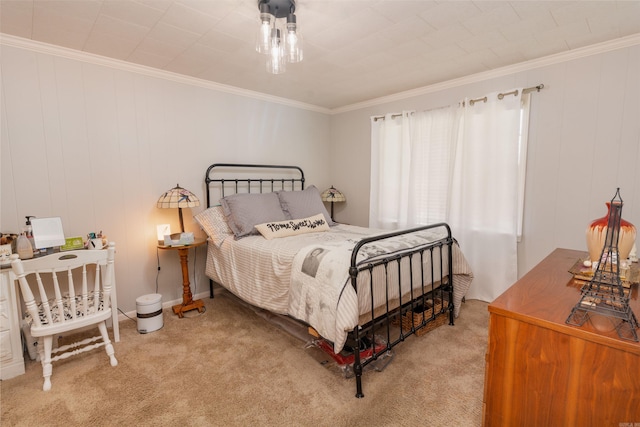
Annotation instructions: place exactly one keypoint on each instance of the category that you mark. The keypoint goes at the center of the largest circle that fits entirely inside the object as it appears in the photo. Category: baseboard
(168, 304)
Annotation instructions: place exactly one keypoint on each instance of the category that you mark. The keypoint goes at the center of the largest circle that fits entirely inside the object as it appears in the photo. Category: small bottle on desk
(23, 247)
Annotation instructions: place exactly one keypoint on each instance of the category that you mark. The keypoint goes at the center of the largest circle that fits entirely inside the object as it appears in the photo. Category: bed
(272, 243)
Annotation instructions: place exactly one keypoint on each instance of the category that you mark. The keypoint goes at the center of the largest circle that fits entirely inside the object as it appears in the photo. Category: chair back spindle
(85, 293)
(72, 293)
(96, 290)
(43, 298)
(58, 296)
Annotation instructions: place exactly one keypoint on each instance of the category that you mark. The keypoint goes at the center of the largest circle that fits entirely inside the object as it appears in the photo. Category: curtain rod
(483, 99)
(513, 92)
(393, 116)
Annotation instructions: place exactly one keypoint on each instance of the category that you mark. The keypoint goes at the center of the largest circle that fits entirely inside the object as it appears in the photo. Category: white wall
(584, 142)
(98, 145)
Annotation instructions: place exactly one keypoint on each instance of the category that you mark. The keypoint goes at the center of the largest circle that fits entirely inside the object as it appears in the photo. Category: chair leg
(47, 367)
(40, 350)
(102, 326)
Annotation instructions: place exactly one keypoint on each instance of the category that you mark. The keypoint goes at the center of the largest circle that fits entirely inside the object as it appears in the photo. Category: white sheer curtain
(463, 165)
(390, 161)
(484, 192)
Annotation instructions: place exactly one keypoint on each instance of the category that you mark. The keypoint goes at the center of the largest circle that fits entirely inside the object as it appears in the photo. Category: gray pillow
(246, 210)
(303, 204)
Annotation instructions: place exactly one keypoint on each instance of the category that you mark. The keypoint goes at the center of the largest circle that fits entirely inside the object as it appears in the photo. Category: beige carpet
(228, 367)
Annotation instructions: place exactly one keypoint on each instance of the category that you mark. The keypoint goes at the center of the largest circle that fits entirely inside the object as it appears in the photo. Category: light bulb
(264, 32)
(276, 61)
(293, 41)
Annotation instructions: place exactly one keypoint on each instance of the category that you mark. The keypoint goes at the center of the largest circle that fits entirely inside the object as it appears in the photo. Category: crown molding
(573, 54)
(19, 42)
(63, 52)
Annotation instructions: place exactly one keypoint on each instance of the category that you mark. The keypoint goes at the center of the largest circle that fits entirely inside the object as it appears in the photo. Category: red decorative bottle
(597, 233)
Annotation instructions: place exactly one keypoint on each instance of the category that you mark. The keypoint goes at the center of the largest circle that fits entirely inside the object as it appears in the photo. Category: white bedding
(273, 275)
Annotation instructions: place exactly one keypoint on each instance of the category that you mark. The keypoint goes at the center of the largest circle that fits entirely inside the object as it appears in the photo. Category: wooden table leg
(187, 298)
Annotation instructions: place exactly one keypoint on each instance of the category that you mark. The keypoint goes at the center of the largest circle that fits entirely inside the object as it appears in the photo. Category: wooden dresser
(542, 372)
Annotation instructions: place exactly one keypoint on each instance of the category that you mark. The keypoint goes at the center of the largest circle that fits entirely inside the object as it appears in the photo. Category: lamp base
(180, 309)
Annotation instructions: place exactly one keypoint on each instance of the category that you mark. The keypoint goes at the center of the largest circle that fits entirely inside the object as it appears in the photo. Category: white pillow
(291, 227)
(214, 223)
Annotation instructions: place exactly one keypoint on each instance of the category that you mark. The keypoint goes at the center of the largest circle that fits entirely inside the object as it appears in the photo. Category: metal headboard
(237, 178)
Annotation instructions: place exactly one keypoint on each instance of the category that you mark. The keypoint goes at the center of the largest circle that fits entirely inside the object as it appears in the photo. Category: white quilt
(321, 291)
(306, 276)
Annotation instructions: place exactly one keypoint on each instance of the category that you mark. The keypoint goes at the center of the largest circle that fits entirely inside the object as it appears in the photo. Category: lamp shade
(178, 197)
(333, 195)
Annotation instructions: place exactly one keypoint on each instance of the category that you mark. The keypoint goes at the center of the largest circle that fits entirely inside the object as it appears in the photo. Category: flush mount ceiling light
(280, 41)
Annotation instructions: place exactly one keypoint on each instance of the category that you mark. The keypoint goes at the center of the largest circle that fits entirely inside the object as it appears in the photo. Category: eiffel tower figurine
(604, 293)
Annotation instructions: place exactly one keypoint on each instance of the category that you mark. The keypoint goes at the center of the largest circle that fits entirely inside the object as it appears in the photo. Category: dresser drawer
(6, 352)
(11, 358)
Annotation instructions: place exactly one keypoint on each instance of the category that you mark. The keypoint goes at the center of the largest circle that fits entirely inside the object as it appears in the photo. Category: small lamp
(178, 197)
(333, 195)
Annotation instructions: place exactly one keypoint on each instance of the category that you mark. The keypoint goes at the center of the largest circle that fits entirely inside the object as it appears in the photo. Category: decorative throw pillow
(291, 227)
(303, 204)
(214, 223)
(245, 210)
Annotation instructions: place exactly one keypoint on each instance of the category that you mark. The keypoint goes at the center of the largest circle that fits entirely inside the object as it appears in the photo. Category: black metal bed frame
(381, 325)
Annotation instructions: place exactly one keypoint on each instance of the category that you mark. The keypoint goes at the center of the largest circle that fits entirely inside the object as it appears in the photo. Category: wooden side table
(187, 298)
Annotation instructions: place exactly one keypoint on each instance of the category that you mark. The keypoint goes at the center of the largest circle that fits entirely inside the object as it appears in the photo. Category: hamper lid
(149, 299)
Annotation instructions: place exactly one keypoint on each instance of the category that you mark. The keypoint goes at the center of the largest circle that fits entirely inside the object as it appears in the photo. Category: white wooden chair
(71, 310)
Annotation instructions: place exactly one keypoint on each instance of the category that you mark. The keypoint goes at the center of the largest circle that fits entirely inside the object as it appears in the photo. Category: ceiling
(354, 51)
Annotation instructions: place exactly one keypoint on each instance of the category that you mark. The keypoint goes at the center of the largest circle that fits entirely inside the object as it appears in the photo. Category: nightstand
(187, 298)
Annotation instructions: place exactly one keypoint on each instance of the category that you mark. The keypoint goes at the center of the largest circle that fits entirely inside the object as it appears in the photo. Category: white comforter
(283, 275)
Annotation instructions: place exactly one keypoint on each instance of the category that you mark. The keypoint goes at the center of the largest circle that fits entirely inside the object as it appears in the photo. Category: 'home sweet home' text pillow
(291, 227)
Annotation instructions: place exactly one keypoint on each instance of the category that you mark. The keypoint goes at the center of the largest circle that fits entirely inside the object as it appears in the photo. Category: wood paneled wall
(98, 145)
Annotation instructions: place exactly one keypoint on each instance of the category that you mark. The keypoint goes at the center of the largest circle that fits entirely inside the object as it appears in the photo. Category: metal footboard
(436, 282)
